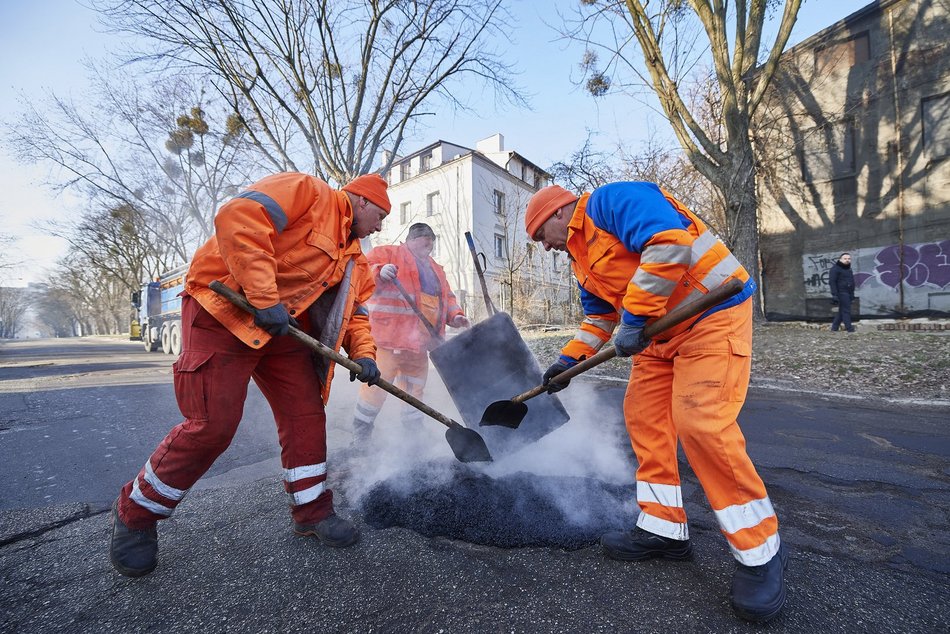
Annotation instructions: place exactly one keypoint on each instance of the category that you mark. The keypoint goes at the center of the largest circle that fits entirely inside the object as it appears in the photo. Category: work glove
(388, 272)
(275, 320)
(834, 301)
(369, 374)
(629, 340)
(553, 371)
(460, 321)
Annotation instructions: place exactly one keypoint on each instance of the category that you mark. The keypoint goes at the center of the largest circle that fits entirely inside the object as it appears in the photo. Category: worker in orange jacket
(403, 339)
(637, 253)
(290, 243)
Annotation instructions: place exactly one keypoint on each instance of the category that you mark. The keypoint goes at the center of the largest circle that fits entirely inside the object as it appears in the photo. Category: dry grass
(886, 364)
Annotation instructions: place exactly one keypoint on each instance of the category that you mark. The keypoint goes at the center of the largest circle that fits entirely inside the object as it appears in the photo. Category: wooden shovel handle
(673, 318)
(406, 296)
(241, 302)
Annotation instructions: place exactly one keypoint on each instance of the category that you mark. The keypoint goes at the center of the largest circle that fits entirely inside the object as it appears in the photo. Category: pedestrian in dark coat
(841, 281)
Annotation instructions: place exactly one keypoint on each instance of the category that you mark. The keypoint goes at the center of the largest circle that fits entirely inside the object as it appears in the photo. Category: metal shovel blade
(467, 444)
(504, 413)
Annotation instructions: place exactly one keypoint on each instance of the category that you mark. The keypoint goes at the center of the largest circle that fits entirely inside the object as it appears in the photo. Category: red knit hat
(372, 187)
(543, 205)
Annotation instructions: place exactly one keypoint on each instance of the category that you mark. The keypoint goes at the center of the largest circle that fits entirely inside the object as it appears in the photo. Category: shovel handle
(241, 302)
(489, 306)
(673, 318)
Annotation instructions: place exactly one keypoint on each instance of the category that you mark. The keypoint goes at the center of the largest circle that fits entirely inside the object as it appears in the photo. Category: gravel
(890, 360)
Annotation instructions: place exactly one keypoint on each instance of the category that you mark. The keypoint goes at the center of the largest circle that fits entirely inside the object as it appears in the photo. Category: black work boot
(132, 552)
(758, 592)
(333, 531)
(638, 545)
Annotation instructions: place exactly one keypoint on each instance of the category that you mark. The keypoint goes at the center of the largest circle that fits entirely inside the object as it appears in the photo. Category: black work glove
(369, 374)
(629, 340)
(553, 371)
(834, 301)
(275, 320)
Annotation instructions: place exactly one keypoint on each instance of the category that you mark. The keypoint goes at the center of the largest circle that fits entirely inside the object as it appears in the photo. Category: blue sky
(44, 42)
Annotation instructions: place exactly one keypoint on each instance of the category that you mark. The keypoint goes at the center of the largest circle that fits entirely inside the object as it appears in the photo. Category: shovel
(511, 413)
(406, 296)
(467, 444)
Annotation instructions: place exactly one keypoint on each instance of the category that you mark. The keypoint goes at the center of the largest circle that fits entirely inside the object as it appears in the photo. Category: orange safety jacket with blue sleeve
(287, 239)
(637, 253)
(395, 325)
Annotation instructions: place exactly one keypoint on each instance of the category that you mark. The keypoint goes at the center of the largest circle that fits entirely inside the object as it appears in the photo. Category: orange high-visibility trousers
(690, 389)
(406, 370)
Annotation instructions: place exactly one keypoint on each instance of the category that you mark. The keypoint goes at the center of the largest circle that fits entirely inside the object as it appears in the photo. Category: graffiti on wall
(878, 271)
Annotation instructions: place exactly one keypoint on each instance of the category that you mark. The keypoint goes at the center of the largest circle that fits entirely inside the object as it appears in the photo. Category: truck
(158, 307)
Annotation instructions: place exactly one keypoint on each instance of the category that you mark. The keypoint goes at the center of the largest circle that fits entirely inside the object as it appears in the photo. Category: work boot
(333, 531)
(758, 592)
(638, 545)
(132, 552)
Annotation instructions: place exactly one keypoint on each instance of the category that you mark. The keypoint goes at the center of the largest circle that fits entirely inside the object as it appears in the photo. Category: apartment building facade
(854, 145)
(483, 190)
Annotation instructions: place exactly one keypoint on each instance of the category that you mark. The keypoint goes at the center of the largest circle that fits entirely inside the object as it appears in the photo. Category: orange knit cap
(543, 205)
(372, 187)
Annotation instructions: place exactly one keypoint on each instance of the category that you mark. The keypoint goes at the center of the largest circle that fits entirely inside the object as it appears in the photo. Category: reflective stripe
(365, 412)
(734, 518)
(307, 471)
(653, 283)
(606, 325)
(160, 487)
(666, 253)
(664, 528)
(383, 308)
(147, 504)
(665, 494)
(381, 294)
(277, 215)
(308, 495)
(588, 338)
(718, 275)
(701, 245)
(758, 555)
(411, 416)
(361, 310)
(414, 380)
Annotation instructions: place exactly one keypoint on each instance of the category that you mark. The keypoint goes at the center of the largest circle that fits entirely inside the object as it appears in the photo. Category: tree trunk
(742, 217)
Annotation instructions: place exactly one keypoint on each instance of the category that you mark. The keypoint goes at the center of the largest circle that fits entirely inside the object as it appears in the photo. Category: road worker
(637, 252)
(403, 339)
(291, 244)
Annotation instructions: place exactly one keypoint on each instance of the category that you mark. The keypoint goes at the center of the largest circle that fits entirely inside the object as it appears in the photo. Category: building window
(499, 202)
(405, 212)
(499, 246)
(404, 171)
(435, 247)
(554, 262)
(936, 125)
(537, 179)
(828, 152)
(425, 163)
(432, 204)
(843, 54)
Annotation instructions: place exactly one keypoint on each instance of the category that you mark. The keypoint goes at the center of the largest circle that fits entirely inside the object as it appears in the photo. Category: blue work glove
(834, 301)
(369, 374)
(629, 340)
(553, 371)
(275, 320)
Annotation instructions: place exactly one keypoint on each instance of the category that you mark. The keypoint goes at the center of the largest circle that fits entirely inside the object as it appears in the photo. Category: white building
(455, 189)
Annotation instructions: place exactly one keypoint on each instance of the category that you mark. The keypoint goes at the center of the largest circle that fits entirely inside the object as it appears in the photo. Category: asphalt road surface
(862, 490)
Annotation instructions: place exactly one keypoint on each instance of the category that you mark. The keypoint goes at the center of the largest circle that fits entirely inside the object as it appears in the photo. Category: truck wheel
(150, 345)
(166, 339)
(174, 337)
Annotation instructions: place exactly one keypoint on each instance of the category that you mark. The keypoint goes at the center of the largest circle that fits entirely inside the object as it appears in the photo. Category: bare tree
(143, 148)
(12, 310)
(670, 38)
(323, 86)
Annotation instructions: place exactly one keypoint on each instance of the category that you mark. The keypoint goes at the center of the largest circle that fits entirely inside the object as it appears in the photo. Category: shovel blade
(504, 413)
(467, 444)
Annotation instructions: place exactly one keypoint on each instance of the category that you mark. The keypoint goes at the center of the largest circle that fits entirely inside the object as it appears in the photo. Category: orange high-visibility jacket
(637, 253)
(286, 239)
(395, 325)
